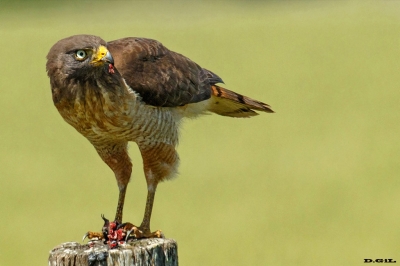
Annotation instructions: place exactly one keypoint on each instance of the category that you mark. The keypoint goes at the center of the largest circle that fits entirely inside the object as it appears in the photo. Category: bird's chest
(102, 117)
(98, 116)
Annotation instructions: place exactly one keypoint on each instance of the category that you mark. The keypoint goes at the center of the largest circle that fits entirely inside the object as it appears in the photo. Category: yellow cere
(101, 52)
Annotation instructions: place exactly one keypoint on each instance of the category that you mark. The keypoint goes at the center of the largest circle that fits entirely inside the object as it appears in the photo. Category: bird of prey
(135, 89)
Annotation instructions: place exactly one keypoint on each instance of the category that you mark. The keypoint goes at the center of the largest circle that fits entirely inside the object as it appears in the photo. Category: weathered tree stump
(144, 252)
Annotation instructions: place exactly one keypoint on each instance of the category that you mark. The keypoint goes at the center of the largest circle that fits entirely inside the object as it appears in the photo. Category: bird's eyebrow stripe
(77, 49)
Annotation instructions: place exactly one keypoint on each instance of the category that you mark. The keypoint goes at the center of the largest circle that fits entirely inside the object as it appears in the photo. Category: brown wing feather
(229, 103)
(161, 77)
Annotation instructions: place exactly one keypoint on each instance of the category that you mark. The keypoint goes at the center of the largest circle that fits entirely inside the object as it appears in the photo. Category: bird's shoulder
(160, 76)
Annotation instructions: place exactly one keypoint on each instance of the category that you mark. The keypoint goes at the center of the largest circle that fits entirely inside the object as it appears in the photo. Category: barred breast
(103, 117)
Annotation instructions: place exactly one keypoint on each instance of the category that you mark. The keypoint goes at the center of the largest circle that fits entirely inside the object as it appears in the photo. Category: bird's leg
(129, 230)
(145, 226)
(120, 206)
(143, 231)
(115, 155)
(160, 161)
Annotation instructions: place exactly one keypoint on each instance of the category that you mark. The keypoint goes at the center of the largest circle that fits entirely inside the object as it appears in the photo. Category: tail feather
(228, 103)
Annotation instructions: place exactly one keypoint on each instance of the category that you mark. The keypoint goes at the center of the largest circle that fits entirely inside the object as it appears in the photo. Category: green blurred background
(317, 183)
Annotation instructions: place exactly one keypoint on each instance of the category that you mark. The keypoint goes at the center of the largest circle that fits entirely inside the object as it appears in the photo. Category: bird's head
(77, 60)
(79, 57)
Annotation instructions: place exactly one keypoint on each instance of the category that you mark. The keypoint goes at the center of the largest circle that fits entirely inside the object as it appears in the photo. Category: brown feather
(160, 76)
(228, 103)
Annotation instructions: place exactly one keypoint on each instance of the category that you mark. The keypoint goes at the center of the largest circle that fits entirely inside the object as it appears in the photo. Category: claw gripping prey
(114, 234)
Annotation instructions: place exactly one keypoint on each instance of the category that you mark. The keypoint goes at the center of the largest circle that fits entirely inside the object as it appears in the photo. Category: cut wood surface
(144, 252)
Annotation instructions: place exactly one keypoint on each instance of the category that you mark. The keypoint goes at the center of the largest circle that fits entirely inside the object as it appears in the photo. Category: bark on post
(144, 252)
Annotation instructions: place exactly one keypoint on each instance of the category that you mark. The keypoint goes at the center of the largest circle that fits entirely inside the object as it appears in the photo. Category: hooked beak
(102, 56)
(108, 58)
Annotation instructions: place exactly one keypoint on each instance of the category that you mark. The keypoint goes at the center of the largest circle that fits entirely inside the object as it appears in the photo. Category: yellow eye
(80, 54)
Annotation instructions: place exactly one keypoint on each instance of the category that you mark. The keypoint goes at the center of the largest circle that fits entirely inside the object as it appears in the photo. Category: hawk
(135, 89)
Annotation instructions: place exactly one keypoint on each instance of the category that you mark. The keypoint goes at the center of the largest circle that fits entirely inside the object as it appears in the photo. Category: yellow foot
(115, 234)
(92, 236)
(136, 232)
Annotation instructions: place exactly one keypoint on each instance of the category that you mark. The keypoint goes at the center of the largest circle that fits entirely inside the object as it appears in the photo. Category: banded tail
(228, 103)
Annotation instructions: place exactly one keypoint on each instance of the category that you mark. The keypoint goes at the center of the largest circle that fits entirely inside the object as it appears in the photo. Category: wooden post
(144, 252)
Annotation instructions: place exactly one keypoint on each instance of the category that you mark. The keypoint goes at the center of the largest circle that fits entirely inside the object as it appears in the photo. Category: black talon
(86, 235)
(121, 225)
(128, 234)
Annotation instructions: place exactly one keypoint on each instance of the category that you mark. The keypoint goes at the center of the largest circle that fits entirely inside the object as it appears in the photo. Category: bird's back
(164, 78)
